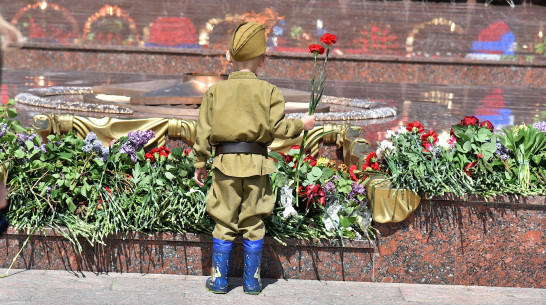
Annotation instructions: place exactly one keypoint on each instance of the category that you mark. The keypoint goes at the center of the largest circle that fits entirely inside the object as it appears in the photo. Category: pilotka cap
(248, 41)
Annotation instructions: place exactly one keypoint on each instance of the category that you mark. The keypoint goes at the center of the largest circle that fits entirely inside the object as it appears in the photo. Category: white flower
(289, 212)
(390, 133)
(402, 130)
(385, 147)
(443, 140)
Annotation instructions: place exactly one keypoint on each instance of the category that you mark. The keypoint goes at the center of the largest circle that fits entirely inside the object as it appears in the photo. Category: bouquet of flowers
(469, 159)
(331, 200)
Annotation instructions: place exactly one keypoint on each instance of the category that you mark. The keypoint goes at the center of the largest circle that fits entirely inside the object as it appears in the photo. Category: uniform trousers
(238, 205)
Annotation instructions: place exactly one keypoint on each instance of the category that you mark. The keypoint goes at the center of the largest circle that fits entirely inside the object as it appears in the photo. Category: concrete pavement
(65, 287)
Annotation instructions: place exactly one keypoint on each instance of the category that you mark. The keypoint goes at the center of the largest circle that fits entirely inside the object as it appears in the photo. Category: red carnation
(296, 147)
(312, 161)
(150, 156)
(426, 137)
(162, 151)
(416, 124)
(487, 124)
(372, 157)
(470, 120)
(316, 49)
(328, 39)
(352, 173)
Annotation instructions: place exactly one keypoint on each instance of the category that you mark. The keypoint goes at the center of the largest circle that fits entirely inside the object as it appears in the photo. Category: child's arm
(280, 126)
(202, 148)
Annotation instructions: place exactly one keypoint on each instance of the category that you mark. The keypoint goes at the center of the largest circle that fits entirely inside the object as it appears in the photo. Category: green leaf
(466, 147)
(169, 176)
(488, 148)
(19, 154)
(70, 203)
(12, 113)
(484, 134)
(347, 221)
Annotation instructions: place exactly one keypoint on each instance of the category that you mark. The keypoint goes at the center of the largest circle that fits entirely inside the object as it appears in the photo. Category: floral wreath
(119, 18)
(24, 21)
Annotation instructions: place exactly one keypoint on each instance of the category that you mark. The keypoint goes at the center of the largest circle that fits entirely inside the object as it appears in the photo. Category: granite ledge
(513, 200)
(168, 237)
(219, 52)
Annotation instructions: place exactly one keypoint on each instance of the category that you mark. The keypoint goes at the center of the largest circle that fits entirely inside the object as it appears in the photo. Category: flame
(224, 64)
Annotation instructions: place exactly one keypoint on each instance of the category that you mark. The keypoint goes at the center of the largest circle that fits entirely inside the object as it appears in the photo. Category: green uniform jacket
(241, 109)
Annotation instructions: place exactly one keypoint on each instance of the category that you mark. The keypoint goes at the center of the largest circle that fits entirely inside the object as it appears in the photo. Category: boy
(240, 117)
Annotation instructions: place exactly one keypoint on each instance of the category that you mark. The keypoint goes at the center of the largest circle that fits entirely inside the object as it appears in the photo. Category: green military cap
(248, 41)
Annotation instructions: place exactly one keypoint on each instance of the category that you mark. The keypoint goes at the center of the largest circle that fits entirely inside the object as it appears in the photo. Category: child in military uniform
(240, 117)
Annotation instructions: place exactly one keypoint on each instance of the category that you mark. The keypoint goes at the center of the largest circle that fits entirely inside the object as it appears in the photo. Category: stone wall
(446, 241)
(423, 42)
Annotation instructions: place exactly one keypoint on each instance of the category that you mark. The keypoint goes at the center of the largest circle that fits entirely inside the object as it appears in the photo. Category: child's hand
(3, 196)
(309, 121)
(200, 175)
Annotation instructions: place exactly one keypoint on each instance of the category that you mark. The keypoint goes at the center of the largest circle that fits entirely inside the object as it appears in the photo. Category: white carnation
(390, 133)
(443, 140)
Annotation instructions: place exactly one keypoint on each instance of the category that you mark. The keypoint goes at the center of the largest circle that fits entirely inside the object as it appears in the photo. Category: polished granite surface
(436, 106)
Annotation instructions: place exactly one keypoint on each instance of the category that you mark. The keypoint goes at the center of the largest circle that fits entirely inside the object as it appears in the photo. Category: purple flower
(540, 126)
(137, 140)
(3, 130)
(92, 144)
(330, 187)
(503, 152)
(357, 189)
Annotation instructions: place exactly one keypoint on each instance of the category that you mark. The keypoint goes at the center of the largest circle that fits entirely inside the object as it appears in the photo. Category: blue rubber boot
(221, 254)
(252, 283)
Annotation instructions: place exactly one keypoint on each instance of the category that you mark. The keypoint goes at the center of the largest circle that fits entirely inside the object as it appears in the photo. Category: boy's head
(247, 46)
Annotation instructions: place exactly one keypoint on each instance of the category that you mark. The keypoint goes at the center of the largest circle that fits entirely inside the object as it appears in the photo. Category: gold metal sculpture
(108, 129)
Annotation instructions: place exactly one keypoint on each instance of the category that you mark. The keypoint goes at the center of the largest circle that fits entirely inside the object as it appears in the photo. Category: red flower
(328, 39)
(312, 161)
(352, 172)
(162, 151)
(427, 146)
(149, 156)
(371, 162)
(296, 147)
(487, 124)
(316, 49)
(416, 124)
(470, 120)
(372, 157)
(427, 137)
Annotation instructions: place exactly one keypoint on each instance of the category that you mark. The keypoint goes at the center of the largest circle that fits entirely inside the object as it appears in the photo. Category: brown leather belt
(241, 148)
